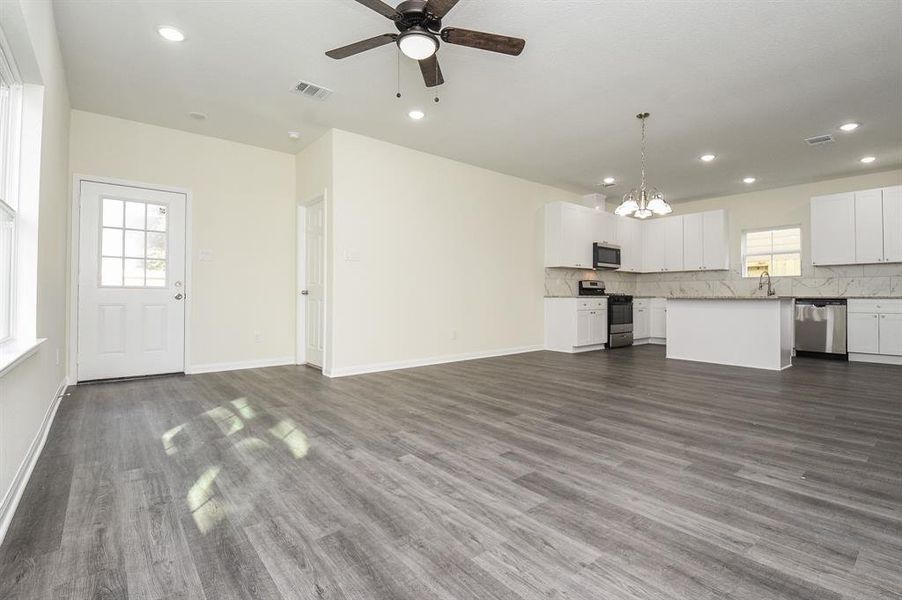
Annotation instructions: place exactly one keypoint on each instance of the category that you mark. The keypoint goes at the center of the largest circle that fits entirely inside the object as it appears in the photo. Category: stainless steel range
(620, 313)
(620, 320)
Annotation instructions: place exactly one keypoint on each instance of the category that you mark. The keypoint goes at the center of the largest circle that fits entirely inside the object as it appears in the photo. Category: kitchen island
(744, 332)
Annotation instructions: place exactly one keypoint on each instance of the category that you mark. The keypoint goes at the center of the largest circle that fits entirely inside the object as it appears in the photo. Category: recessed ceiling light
(171, 33)
(707, 157)
(868, 159)
(198, 116)
(609, 180)
(850, 126)
(748, 180)
(416, 115)
(294, 135)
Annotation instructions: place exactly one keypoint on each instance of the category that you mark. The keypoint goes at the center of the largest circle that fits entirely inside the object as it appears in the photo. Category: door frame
(74, 223)
(300, 284)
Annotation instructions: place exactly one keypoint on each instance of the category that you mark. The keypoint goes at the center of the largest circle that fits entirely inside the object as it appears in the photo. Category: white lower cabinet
(649, 320)
(875, 330)
(576, 324)
(891, 334)
(864, 333)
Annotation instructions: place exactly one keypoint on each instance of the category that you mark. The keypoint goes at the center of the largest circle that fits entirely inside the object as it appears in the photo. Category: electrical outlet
(258, 337)
(453, 334)
(57, 357)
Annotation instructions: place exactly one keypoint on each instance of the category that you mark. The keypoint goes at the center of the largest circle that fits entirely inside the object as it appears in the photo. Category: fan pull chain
(436, 79)
(398, 95)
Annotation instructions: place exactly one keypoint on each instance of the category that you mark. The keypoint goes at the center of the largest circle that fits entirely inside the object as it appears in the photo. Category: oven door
(620, 317)
(606, 257)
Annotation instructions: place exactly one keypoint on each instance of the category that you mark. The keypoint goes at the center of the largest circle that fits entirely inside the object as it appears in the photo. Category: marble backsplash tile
(844, 281)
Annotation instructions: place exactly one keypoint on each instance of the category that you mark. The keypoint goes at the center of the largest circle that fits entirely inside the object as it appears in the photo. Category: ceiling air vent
(819, 140)
(311, 90)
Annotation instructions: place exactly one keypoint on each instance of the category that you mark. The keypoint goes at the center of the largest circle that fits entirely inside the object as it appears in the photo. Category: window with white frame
(10, 115)
(777, 251)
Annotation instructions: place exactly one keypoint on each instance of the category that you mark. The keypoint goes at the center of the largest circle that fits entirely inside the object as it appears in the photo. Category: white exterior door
(131, 282)
(314, 267)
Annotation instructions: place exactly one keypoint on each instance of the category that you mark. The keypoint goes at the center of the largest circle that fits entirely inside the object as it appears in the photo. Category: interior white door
(131, 282)
(315, 271)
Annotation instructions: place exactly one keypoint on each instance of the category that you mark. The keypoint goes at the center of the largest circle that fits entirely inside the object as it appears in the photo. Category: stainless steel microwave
(605, 256)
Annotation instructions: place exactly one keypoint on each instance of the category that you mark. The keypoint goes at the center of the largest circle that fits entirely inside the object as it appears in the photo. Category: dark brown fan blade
(361, 46)
(382, 8)
(483, 41)
(432, 73)
(439, 8)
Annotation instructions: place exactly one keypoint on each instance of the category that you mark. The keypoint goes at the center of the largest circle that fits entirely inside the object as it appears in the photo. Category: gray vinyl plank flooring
(607, 475)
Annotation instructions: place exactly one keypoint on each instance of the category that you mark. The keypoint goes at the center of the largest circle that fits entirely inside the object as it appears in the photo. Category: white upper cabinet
(569, 233)
(862, 227)
(630, 238)
(892, 224)
(673, 243)
(654, 246)
(694, 242)
(605, 228)
(716, 242)
(833, 229)
(869, 226)
(663, 245)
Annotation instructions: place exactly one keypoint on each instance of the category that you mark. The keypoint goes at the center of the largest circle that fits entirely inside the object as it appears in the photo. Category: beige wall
(27, 392)
(432, 258)
(243, 210)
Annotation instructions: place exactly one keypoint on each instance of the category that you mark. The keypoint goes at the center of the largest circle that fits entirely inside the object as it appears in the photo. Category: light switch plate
(205, 255)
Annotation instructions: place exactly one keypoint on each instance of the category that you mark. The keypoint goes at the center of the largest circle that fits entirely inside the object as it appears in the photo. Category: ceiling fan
(420, 25)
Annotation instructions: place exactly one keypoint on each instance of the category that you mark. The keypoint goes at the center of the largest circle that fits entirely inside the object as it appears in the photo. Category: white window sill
(14, 352)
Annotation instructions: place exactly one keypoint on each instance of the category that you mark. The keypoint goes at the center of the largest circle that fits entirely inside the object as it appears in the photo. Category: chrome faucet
(770, 289)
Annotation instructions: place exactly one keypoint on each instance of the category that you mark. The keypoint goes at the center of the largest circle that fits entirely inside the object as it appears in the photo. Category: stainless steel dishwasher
(820, 327)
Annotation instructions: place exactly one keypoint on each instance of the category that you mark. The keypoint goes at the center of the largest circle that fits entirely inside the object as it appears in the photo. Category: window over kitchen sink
(777, 251)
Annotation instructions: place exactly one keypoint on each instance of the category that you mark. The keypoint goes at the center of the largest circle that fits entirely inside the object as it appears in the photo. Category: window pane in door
(134, 272)
(156, 217)
(156, 273)
(134, 244)
(111, 272)
(156, 245)
(134, 215)
(112, 213)
(111, 242)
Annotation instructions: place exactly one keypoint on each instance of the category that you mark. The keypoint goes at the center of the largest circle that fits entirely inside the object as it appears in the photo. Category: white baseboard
(654, 341)
(23, 474)
(423, 362)
(241, 364)
(883, 359)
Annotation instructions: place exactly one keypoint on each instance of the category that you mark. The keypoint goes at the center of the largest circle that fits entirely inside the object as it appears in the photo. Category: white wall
(433, 259)
(27, 392)
(243, 211)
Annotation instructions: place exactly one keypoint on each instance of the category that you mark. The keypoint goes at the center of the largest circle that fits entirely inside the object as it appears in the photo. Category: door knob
(178, 296)
(304, 292)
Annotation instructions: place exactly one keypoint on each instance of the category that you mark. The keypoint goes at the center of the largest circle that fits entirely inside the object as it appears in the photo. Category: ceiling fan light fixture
(417, 43)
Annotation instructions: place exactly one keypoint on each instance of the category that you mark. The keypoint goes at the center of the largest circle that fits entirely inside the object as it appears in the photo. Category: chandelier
(641, 202)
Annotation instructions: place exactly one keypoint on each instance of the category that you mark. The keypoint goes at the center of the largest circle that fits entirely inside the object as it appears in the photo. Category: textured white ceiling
(746, 80)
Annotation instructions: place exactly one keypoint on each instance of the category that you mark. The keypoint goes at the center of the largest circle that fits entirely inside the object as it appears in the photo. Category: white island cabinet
(576, 324)
(744, 332)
